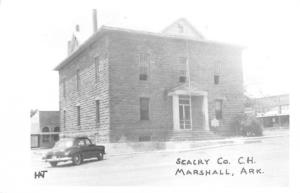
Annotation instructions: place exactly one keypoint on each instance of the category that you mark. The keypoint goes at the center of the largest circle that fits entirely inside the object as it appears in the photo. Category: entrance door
(185, 112)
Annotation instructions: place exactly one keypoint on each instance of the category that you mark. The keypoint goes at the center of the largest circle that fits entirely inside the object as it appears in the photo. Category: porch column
(205, 111)
(175, 99)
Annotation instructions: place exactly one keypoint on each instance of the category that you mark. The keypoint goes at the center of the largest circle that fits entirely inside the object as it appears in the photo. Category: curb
(216, 143)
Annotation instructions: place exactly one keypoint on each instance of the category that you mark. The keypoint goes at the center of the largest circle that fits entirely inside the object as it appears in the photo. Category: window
(64, 87)
(218, 109)
(144, 63)
(216, 79)
(64, 117)
(182, 76)
(78, 115)
(56, 129)
(144, 108)
(78, 80)
(45, 137)
(145, 138)
(180, 28)
(183, 65)
(97, 111)
(217, 72)
(45, 129)
(55, 137)
(80, 142)
(88, 142)
(96, 62)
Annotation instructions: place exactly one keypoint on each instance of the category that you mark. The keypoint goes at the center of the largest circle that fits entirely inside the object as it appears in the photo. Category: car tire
(53, 164)
(77, 159)
(100, 156)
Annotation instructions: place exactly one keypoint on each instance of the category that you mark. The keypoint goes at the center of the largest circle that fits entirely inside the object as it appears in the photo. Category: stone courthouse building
(125, 85)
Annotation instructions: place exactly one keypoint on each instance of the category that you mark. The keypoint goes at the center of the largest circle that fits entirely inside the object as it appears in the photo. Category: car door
(91, 148)
(80, 143)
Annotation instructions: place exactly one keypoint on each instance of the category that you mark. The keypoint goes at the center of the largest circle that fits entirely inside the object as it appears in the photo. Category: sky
(34, 35)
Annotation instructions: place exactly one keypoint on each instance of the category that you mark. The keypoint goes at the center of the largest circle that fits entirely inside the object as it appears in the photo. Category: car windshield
(64, 143)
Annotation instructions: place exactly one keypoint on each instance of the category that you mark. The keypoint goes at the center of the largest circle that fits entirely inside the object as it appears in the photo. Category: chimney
(77, 29)
(95, 23)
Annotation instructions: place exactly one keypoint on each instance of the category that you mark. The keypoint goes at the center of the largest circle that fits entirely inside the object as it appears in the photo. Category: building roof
(105, 29)
(189, 29)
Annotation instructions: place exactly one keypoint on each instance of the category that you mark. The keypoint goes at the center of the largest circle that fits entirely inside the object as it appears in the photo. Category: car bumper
(60, 159)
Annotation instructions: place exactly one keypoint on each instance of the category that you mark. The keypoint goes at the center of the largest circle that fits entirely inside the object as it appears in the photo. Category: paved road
(270, 167)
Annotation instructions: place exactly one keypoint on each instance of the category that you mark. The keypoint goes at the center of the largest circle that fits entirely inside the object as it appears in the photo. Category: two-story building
(127, 85)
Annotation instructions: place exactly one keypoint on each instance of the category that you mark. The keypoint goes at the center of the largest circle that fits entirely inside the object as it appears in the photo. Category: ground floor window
(145, 138)
(219, 109)
(46, 138)
(56, 137)
(144, 108)
(185, 112)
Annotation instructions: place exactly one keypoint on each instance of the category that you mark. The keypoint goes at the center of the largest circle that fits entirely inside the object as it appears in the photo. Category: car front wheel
(77, 159)
(100, 156)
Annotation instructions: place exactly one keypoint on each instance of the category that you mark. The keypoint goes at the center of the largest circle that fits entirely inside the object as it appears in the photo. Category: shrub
(247, 125)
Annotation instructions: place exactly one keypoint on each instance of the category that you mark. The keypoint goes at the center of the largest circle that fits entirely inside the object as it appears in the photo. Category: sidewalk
(122, 149)
(182, 146)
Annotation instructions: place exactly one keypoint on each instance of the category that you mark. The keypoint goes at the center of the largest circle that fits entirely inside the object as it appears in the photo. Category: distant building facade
(45, 128)
(126, 85)
(273, 111)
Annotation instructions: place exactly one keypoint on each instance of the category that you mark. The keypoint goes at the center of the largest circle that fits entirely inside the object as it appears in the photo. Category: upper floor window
(45, 129)
(183, 66)
(144, 108)
(78, 80)
(182, 76)
(217, 72)
(216, 79)
(64, 87)
(144, 64)
(97, 111)
(78, 115)
(97, 70)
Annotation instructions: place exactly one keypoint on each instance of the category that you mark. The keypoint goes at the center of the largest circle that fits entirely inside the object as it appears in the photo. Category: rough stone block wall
(90, 91)
(126, 88)
(119, 88)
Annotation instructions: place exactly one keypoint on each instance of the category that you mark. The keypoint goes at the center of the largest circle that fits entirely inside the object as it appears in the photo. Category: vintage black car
(74, 149)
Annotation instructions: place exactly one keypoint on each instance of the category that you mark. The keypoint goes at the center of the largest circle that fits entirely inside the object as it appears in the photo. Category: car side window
(87, 142)
(80, 143)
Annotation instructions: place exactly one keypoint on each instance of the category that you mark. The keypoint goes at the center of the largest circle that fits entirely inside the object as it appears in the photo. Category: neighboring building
(45, 128)
(126, 85)
(273, 111)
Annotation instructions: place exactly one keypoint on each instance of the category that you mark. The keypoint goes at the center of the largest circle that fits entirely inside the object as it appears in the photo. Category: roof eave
(106, 28)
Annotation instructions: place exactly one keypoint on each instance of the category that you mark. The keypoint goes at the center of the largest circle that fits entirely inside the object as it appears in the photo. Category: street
(263, 162)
